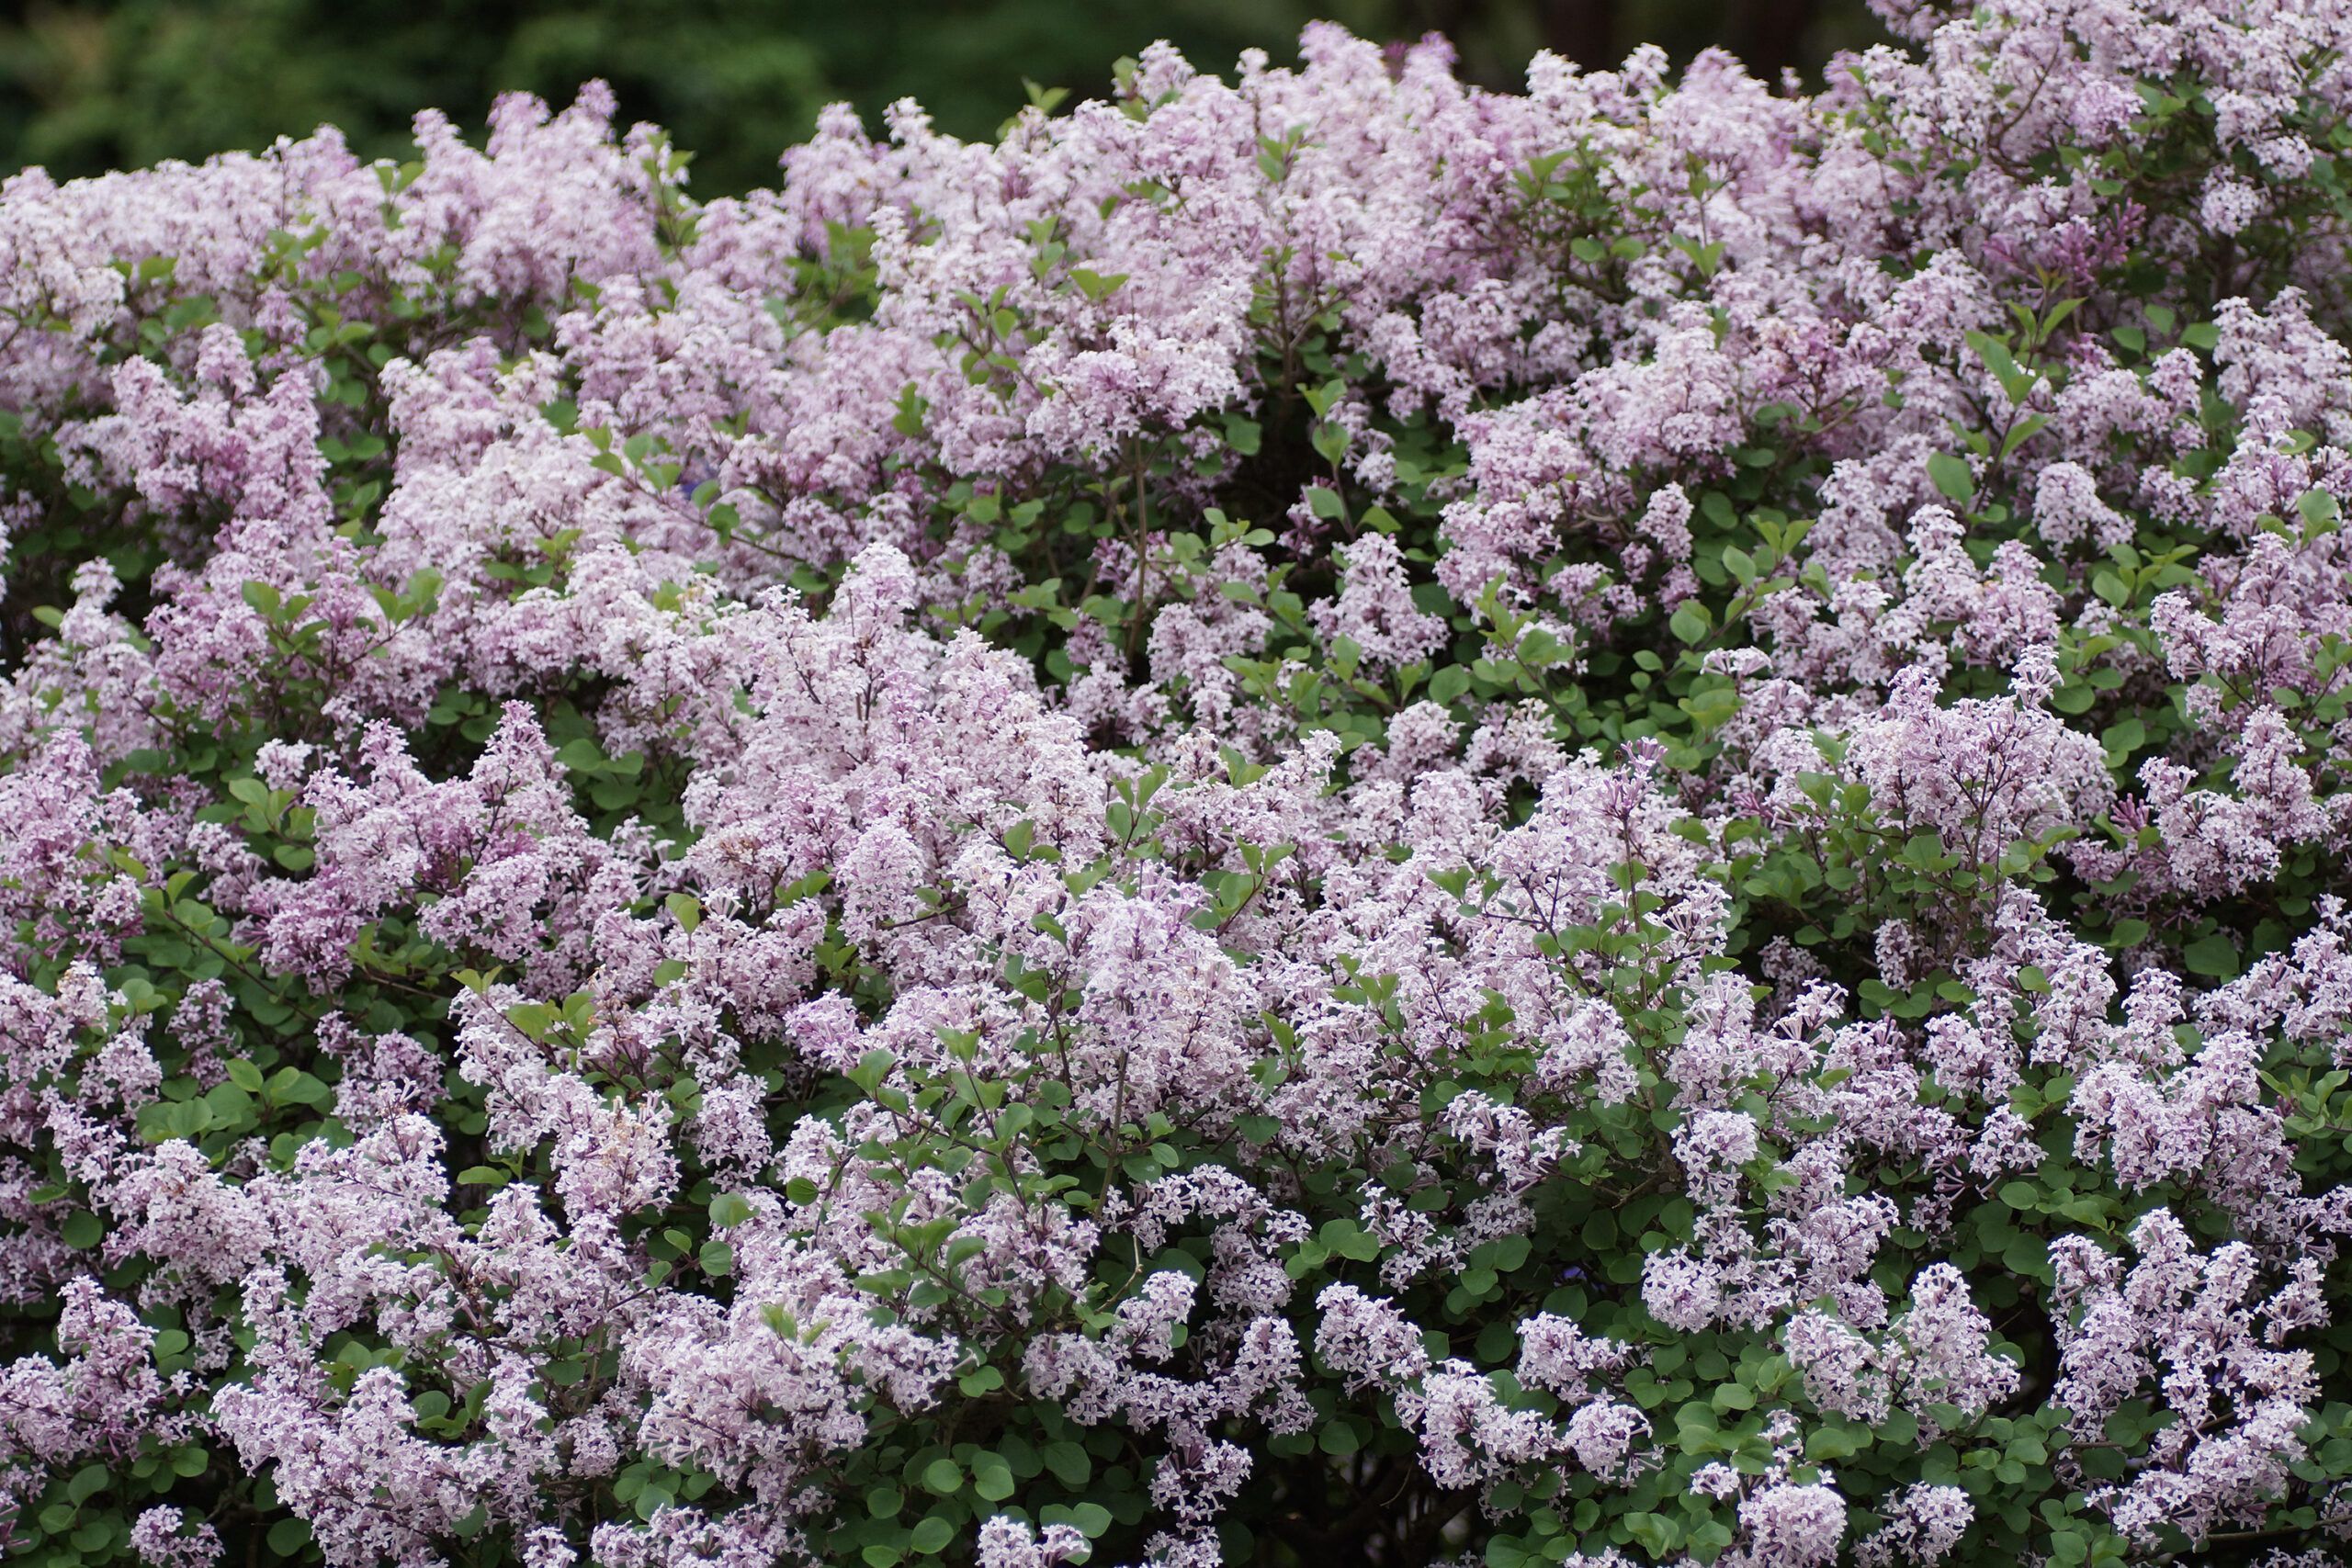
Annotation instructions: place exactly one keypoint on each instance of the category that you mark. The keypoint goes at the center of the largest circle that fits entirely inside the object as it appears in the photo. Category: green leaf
(1952, 477)
(87, 1483)
(1069, 1463)
(1661, 1535)
(1832, 1443)
(2215, 955)
(943, 1476)
(991, 1476)
(1348, 1239)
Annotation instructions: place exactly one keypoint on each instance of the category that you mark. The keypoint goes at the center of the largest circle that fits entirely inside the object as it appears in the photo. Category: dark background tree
(87, 85)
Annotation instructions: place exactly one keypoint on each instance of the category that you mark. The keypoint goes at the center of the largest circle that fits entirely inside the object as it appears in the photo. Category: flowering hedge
(1315, 819)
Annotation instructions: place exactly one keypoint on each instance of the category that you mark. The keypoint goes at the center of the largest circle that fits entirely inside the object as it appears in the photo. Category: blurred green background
(87, 86)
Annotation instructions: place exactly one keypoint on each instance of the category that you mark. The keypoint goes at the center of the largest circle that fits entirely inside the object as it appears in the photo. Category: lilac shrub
(1312, 816)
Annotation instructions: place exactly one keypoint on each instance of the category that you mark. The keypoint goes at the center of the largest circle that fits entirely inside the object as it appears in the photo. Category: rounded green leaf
(1069, 1463)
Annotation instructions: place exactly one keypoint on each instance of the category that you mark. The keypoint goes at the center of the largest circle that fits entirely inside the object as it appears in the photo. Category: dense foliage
(1309, 819)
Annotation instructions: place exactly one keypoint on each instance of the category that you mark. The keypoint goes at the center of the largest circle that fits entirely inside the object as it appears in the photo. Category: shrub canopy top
(1310, 818)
